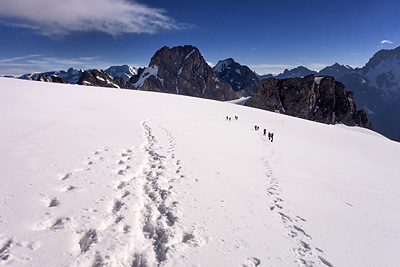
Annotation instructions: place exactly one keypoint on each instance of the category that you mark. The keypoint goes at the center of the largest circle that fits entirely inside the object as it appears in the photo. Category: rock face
(182, 70)
(242, 79)
(101, 79)
(320, 99)
(51, 79)
(376, 88)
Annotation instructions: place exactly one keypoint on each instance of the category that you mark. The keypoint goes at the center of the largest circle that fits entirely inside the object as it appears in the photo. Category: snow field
(106, 177)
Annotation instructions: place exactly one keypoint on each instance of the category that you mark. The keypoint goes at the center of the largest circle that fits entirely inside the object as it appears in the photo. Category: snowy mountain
(294, 73)
(71, 75)
(376, 88)
(336, 70)
(182, 70)
(125, 72)
(97, 177)
(242, 79)
(264, 76)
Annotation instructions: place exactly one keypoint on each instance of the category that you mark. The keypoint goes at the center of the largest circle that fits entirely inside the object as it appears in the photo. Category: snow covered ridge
(128, 178)
(72, 76)
(149, 71)
(125, 71)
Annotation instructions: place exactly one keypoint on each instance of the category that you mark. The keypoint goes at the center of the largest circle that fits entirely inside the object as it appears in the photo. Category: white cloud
(279, 68)
(17, 58)
(36, 63)
(386, 42)
(114, 17)
(270, 68)
(316, 66)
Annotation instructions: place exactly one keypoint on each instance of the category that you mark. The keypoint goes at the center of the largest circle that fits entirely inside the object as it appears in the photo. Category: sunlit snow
(108, 177)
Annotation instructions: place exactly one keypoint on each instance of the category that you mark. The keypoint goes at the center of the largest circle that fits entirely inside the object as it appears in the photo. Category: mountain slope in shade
(101, 79)
(242, 79)
(336, 70)
(376, 87)
(320, 99)
(182, 70)
(51, 79)
(97, 177)
(296, 72)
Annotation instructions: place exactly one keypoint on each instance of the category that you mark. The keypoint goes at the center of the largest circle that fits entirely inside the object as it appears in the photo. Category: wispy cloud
(386, 42)
(14, 59)
(114, 17)
(37, 63)
(316, 66)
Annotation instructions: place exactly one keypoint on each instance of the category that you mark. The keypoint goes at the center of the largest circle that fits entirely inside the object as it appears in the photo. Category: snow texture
(96, 177)
(149, 71)
(318, 80)
(385, 75)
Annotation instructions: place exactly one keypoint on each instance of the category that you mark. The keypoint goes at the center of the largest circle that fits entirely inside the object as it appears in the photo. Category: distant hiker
(255, 127)
(236, 117)
(269, 136)
(229, 118)
(226, 117)
(272, 137)
(265, 131)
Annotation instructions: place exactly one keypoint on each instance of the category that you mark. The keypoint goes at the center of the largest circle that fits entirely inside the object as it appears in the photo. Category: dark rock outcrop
(242, 79)
(320, 99)
(51, 79)
(182, 70)
(101, 79)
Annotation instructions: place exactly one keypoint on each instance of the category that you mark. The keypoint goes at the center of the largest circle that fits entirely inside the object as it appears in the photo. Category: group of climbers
(256, 128)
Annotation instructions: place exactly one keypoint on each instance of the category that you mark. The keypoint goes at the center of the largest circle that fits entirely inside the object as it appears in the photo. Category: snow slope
(106, 177)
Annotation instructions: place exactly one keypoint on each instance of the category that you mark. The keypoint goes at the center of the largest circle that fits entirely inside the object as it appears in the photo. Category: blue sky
(268, 36)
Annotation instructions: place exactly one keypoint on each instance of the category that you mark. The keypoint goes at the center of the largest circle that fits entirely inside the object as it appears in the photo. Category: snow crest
(149, 71)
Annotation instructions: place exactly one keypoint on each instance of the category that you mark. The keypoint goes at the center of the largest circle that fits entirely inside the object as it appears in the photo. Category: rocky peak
(178, 56)
(383, 71)
(243, 80)
(336, 70)
(320, 99)
(51, 79)
(101, 79)
(380, 56)
(223, 65)
(182, 70)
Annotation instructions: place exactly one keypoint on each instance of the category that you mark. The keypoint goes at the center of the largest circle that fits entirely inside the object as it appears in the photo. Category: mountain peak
(240, 77)
(382, 55)
(299, 71)
(182, 70)
(125, 71)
